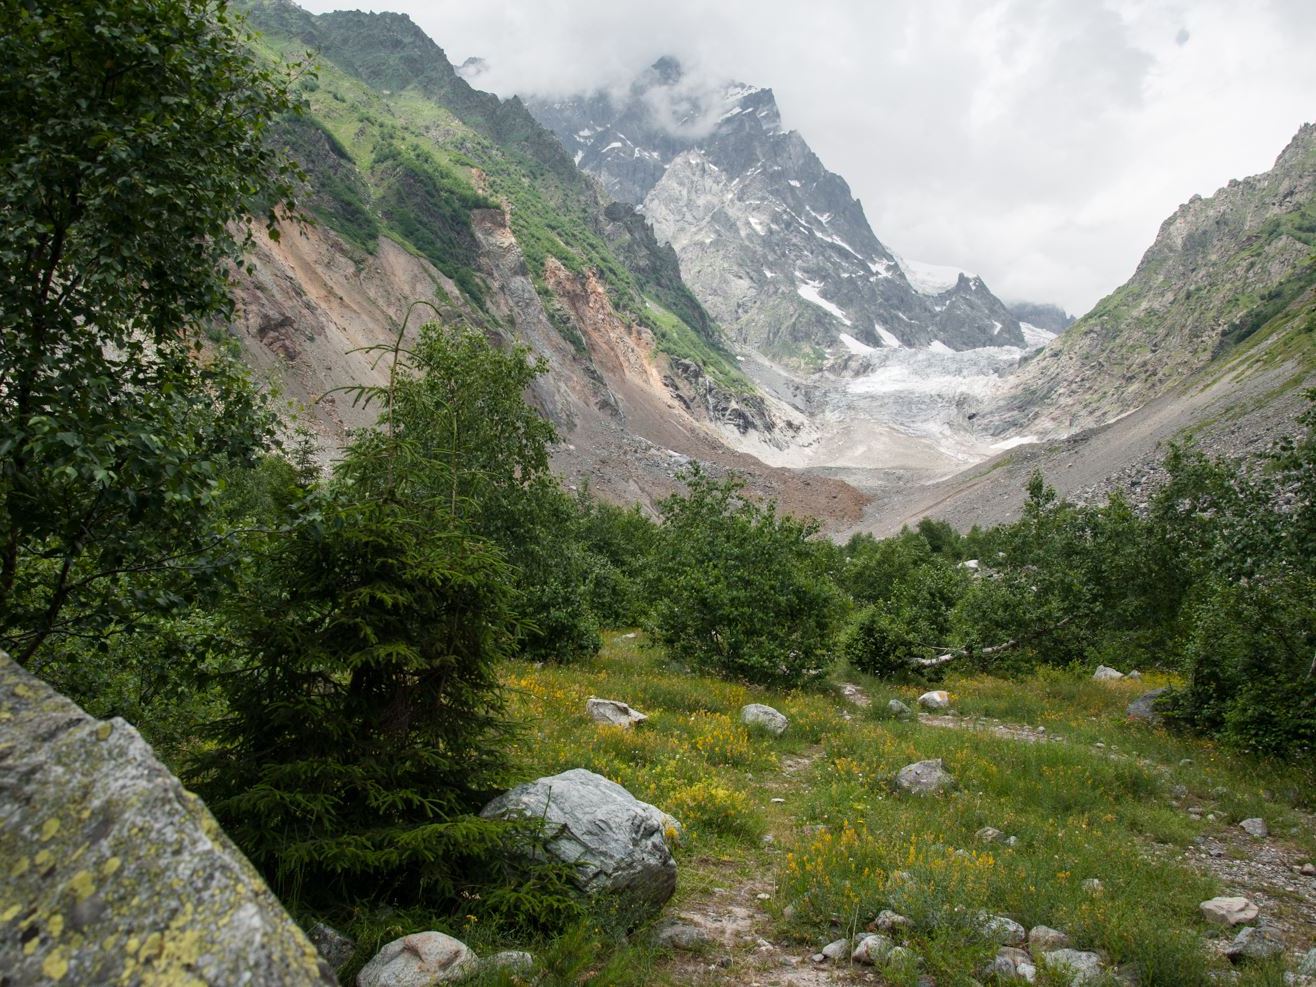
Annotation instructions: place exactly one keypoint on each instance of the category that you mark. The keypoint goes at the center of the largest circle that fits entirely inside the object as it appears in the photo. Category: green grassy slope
(395, 143)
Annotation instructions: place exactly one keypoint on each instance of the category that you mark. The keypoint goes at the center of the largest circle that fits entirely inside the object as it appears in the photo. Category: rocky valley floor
(1067, 822)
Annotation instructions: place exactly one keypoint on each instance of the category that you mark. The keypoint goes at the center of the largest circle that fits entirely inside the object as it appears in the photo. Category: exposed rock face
(1219, 268)
(114, 873)
(617, 842)
(1105, 673)
(775, 245)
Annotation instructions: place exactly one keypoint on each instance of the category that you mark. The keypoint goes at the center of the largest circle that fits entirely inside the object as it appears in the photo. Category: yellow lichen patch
(133, 944)
(152, 948)
(49, 828)
(31, 945)
(55, 926)
(10, 913)
(20, 867)
(104, 730)
(24, 691)
(82, 885)
(55, 965)
(111, 865)
(43, 858)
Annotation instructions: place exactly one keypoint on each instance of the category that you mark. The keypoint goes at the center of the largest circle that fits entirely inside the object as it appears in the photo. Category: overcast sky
(1039, 143)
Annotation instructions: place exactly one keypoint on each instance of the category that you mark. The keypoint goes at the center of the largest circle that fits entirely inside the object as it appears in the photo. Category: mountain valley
(703, 288)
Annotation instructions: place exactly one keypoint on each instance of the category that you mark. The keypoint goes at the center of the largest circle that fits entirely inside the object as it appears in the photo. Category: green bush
(738, 589)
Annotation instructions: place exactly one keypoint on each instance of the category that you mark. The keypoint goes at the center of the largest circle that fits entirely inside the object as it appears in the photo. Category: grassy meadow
(805, 832)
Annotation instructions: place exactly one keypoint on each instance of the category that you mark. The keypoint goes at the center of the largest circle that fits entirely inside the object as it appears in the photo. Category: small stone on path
(1255, 827)
(1253, 944)
(837, 951)
(872, 950)
(1229, 911)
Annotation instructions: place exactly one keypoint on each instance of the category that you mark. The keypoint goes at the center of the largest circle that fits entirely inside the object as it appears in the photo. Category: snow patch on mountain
(809, 292)
(930, 279)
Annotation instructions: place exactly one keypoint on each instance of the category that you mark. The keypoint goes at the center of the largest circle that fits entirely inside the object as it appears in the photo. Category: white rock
(872, 950)
(1093, 885)
(764, 717)
(924, 777)
(420, 960)
(1080, 967)
(988, 834)
(937, 699)
(613, 712)
(1229, 911)
(1105, 673)
(1255, 827)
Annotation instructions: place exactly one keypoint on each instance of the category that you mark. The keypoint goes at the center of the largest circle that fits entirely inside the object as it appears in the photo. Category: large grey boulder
(335, 947)
(1105, 673)
(424, 959)
(1144, 707)
(113, 872)
(924, 777)
(616, 842)
(613, 712)
(935, 700)
(765, 718)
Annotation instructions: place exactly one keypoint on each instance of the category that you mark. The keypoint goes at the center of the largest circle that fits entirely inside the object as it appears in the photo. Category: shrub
(737, 589)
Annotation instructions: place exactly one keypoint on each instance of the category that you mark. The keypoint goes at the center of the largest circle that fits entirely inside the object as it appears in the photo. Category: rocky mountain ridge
(432, 191)
(774, 244)
(1226, 274)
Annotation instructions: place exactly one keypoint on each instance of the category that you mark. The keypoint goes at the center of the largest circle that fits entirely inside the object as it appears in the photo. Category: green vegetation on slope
(409, 143)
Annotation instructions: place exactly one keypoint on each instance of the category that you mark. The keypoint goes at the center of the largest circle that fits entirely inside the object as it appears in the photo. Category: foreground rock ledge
(116, 872)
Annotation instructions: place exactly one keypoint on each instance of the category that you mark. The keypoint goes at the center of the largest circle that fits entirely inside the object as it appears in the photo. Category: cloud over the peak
(1038, 142)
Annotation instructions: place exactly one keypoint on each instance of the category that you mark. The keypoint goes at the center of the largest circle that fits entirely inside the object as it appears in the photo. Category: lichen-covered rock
(424, 959)
(116, 874)
(934, 700)
(616, 842)
(765, 718)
